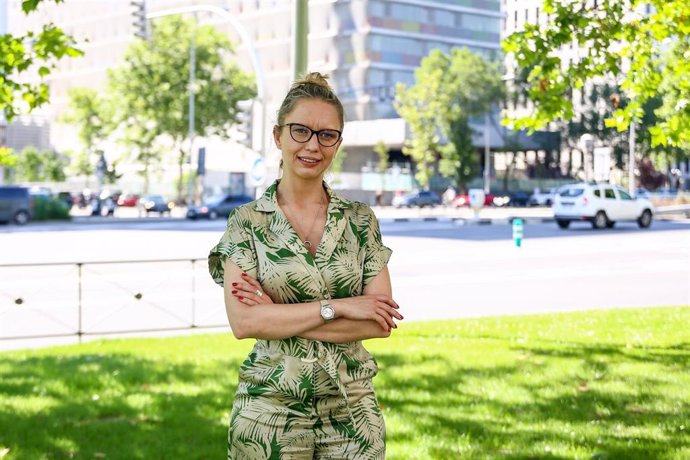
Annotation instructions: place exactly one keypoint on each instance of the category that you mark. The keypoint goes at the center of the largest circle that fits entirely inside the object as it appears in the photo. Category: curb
(469, 221)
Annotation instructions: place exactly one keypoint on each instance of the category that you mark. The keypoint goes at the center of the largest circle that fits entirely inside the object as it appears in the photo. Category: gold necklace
(307, 242)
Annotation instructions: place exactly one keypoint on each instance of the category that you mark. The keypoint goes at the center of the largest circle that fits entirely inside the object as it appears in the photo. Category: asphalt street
(444, 268)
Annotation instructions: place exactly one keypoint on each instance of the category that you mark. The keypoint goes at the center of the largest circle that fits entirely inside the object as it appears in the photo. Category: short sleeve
(377, 255)
(235, 244)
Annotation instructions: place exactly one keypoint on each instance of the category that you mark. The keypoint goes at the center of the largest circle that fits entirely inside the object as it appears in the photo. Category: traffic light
(139, 19)
(244, 120)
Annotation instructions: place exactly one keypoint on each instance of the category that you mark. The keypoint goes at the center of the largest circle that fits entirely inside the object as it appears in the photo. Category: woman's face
(308, 160)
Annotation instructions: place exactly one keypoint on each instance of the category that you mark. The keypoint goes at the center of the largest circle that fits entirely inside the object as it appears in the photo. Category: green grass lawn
(593, 385)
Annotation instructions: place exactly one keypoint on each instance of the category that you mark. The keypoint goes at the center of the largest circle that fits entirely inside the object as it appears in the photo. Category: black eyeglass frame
(318, 139)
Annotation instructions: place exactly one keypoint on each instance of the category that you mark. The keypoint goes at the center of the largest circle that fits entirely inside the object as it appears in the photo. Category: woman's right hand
(380, 308)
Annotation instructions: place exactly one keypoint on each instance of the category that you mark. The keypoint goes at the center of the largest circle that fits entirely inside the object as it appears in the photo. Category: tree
(382, 152)
(449, 90)
(7, 160)
(87, 111)
(152, 86)
(459, 156)
(643, 51)
(35, 165)
(33, 51)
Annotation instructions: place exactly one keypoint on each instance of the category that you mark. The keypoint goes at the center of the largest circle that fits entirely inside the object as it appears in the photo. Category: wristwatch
(327, 311)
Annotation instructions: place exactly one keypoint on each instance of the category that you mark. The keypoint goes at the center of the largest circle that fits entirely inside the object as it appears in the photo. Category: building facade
(367, 46)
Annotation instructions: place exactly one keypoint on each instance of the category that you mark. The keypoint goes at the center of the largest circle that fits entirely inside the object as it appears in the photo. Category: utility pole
(300, 30)
(631, 160)
(192, 72)
(487, 155)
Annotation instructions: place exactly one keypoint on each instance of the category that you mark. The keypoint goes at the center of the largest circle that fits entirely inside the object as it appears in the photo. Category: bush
(46, 208)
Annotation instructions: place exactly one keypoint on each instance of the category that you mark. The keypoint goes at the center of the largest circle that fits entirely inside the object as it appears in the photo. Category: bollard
(518, 231)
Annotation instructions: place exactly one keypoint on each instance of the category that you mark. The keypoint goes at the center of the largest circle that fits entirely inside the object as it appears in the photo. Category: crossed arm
(367, 316)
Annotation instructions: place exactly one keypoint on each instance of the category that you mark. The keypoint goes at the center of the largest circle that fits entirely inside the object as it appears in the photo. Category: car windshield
(215, 199)
(571, 192)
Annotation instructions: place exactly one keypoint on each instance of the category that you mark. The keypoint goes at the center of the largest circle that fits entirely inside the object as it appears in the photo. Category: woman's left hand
(250, 292)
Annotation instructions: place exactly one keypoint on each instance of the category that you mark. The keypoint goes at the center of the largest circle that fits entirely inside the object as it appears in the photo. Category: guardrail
(107, 297)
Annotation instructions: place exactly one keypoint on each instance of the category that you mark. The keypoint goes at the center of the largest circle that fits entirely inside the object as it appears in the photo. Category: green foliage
(646, 54)
(7, 157)
(448, 89)
(151, 89)
(35, 165)
(88, 111)
(22, 53)
(381, 151)
(338, 160)
(48, 208)
(608, 384)
(459, 156)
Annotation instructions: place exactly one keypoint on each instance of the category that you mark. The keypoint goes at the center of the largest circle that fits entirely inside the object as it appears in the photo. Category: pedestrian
(305, 274)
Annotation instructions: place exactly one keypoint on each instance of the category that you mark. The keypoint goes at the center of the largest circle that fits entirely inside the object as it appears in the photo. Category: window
(573, 192)
(597, 193)
(609, 194)
(444, 18)
(624, 195)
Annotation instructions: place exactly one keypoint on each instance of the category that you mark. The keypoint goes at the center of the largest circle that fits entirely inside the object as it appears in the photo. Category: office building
(367, 46)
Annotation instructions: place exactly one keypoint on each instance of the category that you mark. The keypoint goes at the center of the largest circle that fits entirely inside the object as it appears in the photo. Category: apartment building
(367, 46)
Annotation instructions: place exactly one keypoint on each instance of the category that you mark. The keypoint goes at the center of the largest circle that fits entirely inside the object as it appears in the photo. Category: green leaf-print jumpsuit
(299, 398)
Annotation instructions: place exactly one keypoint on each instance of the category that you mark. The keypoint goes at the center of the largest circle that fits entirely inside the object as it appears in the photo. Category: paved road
(440, 269)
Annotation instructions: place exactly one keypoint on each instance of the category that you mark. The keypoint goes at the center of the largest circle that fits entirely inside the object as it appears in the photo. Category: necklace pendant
(307, 244)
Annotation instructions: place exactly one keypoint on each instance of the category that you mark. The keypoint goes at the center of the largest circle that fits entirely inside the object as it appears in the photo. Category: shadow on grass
(598, 414)
(116, 407)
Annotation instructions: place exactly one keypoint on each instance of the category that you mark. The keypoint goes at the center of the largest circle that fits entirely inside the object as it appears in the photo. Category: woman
(305, 274)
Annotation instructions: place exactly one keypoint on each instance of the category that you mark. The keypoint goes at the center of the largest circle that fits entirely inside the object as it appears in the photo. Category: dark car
(218, 206)
(519, 198)
(15, 205)
(155, 203)
(421, 199)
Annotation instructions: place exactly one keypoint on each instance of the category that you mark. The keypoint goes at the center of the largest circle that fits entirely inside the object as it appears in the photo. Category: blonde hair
(313, 85)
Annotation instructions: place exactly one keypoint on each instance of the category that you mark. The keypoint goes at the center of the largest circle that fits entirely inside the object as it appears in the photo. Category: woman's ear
(276, 136)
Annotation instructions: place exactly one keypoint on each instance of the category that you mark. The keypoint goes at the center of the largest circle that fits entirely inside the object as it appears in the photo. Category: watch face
(327, 312)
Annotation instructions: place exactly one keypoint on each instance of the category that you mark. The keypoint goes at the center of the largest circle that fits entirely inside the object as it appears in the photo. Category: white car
(601, 204)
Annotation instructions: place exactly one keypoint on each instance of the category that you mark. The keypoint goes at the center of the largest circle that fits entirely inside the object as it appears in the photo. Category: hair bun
(313, 78)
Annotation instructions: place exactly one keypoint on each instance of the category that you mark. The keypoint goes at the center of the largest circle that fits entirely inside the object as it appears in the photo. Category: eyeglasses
(303, 134)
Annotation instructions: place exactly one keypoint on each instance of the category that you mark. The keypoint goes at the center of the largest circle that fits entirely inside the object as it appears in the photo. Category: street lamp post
(253, 55)
(487, 155)
(631, 160)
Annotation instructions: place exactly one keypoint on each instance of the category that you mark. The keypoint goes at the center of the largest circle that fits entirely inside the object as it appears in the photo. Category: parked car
(420, 198)
(155, 203)
(601, 204)
(15, 205)
(464, 200)
(539, 198)
(127, 200)
(218, 206)
(518, 198)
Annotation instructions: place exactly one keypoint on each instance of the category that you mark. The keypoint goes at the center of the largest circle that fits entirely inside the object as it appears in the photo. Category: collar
(268, 202)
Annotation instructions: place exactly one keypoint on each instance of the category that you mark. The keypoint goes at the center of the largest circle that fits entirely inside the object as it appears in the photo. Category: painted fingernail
(240, 297)
(234, 292)
(234, 284)
(244, 274)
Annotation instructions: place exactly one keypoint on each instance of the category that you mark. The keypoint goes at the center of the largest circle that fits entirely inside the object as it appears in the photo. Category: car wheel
(21, 217)
(213, 215)
(600, 220)
(563, 223)
(645, 219)
(548, 203)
